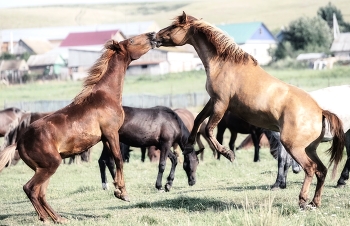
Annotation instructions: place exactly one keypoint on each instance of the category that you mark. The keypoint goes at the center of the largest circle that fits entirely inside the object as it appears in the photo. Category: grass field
(225, 194)
(187, 82)
(273, 13)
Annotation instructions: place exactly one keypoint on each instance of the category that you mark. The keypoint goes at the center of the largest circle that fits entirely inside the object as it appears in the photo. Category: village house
(12, 71)
(254, 38)
(47, 66)
(341, 47)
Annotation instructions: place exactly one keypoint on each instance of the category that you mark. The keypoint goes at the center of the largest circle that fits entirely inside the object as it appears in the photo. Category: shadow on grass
(188, 203)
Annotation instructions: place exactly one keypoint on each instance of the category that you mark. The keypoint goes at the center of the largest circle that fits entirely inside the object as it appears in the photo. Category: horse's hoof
(340, 186)
(104, 186)
(230, 155)
(274, 188)
(167, 187)
(118, 194)
(62, 220)
(160, 190)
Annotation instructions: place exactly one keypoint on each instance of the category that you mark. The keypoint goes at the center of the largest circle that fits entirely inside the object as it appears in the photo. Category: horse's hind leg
(345, 173)
(171, 176)
(35, 190)
(200, 145)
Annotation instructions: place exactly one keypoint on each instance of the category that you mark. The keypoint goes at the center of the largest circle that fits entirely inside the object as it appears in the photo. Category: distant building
(254, 38)
(12, 71)
(32, 46)
(10, 37)
(341, 46)
(47, 66)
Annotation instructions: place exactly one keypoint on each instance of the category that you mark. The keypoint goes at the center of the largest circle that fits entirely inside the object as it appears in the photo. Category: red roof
(88, 38)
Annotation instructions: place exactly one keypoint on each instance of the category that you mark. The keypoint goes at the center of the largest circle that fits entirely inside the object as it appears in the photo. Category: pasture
(225, 194)
(185, 82)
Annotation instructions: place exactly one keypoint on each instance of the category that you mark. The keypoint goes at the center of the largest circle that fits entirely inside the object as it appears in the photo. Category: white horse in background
(331, 99)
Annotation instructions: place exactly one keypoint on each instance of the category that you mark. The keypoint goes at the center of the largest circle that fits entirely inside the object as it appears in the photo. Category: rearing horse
(236, 82)
(95, 115)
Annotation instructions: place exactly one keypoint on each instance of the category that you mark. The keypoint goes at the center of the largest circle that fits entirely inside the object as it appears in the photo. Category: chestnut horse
(95, 114)
(236, 82)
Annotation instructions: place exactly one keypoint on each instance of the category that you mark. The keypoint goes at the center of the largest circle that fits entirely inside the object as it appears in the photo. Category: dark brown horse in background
(16, 128)
(95, 114)
(236, 82)
(7, 117)
(144, 127)
(237, 125)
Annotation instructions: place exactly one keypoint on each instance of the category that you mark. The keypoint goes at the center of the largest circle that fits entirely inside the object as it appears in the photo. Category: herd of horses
(243, 98)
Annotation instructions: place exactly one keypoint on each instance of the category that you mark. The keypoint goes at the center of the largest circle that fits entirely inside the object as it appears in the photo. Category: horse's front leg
(171, 176)
(208, 108)
(119, 183)
(219, 109)
(161, 166)
(256, 142)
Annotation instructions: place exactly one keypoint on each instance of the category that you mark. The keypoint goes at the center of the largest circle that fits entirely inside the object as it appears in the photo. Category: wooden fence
(140, 100)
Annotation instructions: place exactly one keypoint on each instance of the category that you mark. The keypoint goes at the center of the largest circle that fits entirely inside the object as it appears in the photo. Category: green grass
(186, 82)
(225, 194)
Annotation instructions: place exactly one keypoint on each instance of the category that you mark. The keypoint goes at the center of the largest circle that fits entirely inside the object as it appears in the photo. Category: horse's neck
(114, 77)
(203, 47)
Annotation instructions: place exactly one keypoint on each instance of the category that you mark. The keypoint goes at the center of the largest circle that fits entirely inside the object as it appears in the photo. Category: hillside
(273, 13)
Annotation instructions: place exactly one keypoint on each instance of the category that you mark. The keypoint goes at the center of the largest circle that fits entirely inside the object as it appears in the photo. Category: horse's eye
(131, 41)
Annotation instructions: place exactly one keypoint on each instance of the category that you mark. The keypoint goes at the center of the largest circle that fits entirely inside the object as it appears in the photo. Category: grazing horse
(237, 125)
(327, 98)
(157, 126)
(95, 114)
(236, 82)
(8, 116)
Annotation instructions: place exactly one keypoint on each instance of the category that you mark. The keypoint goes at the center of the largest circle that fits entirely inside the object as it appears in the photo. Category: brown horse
(8, 116)
(95, 115)
(236, 82)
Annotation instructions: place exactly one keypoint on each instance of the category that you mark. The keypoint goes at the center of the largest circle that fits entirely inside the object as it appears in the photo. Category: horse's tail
(7, 155)
(336, 150)
(274, 141)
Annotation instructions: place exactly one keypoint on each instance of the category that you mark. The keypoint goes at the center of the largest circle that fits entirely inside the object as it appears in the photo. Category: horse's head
(190, 163)
(178, 33)
(135, 46)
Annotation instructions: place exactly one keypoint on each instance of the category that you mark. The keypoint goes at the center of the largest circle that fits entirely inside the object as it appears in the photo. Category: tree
(326, 13)
(311, 34)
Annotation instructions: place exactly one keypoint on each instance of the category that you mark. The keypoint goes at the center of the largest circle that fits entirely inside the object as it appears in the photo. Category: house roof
(88, 38)
(43, 59)
(13, 65)
(341, 43)
(38, 46)
(245, 32)
(60, 33)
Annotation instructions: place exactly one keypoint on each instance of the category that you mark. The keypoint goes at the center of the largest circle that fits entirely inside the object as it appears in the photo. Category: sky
(26, 3)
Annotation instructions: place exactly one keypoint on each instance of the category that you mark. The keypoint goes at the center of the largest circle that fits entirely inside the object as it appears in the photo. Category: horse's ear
(115, 46)
(199, 151)
(183, 18)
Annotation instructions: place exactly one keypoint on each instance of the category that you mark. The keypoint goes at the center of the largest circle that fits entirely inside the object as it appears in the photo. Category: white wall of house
(259, 51)
(342, 55)
(180, 61)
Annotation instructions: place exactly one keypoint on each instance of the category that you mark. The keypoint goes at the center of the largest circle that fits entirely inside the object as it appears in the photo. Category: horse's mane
(97, 71)
(225, 47)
